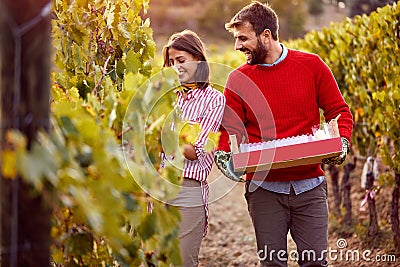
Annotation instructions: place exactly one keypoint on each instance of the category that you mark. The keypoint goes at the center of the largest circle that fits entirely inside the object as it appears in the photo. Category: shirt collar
(189, 94)
(280, 59)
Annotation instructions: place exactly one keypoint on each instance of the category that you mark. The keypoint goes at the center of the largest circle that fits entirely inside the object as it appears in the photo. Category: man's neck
(274, 53)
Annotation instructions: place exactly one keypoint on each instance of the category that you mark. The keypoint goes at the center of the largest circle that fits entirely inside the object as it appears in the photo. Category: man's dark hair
(260, 16)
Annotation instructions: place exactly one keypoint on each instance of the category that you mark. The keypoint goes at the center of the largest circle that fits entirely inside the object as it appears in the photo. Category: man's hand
(339, 159)
(223, 160)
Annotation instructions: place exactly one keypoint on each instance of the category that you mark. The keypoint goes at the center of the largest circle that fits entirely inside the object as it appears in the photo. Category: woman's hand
(189, 152)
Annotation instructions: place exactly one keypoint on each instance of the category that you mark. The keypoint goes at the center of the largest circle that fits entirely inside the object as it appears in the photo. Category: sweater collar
(280, 59)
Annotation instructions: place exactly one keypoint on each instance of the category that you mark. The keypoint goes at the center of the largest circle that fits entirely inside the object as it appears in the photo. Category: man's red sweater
(265, 103)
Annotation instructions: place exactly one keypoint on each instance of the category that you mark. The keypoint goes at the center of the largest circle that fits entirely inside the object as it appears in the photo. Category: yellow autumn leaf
(15, 140)
(189, 132)
(358, 114)
(9, 164)
(212, 141)
(360, 111)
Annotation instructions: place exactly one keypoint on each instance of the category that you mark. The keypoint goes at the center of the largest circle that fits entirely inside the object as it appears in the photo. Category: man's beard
(259, 54)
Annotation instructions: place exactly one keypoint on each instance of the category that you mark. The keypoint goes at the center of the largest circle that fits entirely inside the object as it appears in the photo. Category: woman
(197, 102)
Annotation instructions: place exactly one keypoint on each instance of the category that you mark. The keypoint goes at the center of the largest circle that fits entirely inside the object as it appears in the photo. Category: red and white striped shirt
(206, 107)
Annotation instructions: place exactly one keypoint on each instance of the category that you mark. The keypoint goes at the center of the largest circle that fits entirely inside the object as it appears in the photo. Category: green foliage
(363, 55)
(112, 115)
(100, 39)
(100, 166)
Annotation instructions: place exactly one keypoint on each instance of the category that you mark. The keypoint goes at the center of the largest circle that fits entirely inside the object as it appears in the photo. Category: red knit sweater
(265, 103)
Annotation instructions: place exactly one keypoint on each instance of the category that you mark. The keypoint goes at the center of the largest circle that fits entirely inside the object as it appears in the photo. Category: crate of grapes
(325, 142)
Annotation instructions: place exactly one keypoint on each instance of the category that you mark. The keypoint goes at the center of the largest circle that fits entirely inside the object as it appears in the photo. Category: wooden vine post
(394, 214)
(346, 190)
(24, 86)
(334, 174)
(373, 216)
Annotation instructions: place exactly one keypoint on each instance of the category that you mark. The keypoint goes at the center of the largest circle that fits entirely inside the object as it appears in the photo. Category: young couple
(277, 93)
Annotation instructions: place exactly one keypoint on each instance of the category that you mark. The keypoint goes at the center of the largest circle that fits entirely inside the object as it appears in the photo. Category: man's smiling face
(249, 43)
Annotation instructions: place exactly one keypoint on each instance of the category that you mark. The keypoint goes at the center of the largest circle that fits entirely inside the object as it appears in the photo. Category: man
(276, 94)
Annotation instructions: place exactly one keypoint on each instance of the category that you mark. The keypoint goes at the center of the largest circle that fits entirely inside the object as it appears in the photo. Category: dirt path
(231, 239)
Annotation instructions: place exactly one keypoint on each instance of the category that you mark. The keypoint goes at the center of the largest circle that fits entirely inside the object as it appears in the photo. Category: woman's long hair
(190, 42)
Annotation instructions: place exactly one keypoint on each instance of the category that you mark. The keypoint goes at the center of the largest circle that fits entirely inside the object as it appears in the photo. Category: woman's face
(184, 63)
